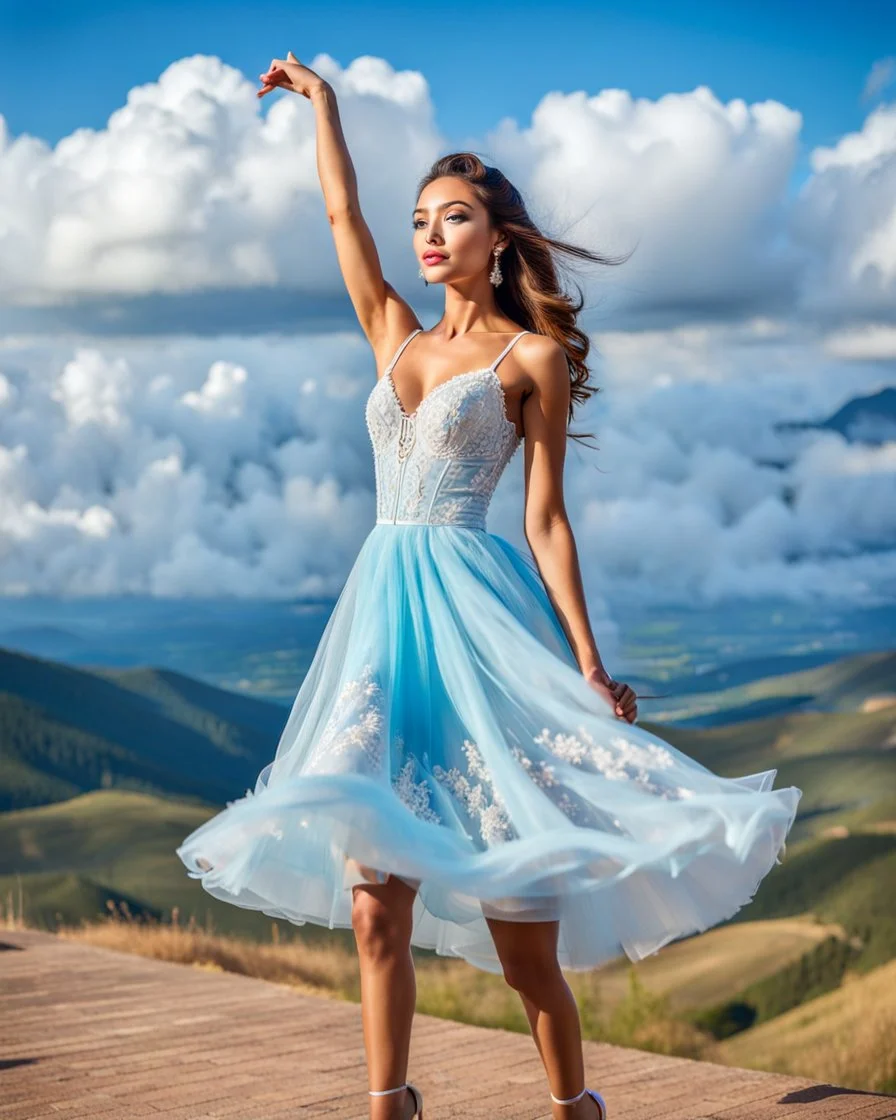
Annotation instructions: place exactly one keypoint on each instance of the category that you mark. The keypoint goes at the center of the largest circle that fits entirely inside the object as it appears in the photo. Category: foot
(585, 1108)
(410, 1105)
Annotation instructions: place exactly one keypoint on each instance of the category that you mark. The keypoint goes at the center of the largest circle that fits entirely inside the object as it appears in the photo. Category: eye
(416, 222)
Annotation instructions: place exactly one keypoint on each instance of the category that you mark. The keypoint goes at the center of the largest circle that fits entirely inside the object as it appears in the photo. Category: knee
(531, 974)
(380, 932)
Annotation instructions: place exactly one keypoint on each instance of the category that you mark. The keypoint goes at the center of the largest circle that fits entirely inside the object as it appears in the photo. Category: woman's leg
(528, 954)
(382, 923)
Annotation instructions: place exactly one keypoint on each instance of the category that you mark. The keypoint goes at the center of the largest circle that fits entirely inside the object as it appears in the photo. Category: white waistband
(430, 524)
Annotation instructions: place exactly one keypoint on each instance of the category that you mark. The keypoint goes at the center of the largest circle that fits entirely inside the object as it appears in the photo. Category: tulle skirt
(445, 735)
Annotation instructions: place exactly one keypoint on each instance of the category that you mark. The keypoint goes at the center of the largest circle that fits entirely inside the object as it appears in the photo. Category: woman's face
(450, 221)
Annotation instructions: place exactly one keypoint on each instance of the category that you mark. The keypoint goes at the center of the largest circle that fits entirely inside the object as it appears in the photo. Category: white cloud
(190, 188)
(173, 470)
(179, 465)
(868, 341)
(846, 220)
(881, 75)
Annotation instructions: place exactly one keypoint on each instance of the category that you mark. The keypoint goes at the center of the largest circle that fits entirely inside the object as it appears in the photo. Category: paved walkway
(88, 1032)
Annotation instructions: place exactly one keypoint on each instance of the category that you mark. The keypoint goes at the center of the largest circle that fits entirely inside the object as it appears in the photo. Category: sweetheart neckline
(387, 376)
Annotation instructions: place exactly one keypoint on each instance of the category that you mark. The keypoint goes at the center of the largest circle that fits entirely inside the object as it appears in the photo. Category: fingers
(272, 80)
(626, 701)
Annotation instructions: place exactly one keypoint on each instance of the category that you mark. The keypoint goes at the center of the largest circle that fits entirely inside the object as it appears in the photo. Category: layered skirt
(444, 734)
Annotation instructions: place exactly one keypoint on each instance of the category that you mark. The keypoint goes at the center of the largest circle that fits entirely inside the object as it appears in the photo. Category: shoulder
(545, 362)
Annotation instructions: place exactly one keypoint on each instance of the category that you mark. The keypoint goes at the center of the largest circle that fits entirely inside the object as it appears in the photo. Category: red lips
(433, 258)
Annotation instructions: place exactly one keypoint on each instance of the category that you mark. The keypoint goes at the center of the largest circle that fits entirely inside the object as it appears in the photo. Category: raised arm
(384, 316)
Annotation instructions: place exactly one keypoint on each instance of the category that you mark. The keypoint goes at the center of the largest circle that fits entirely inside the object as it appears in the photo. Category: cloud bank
(177, 471)
(153, 439)
(191, 189)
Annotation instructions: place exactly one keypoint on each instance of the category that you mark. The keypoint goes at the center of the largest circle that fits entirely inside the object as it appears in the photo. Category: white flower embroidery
(414, 794)
(545, 777)
(541, 772)
(354, 727)
(622, 760)
(481, 801)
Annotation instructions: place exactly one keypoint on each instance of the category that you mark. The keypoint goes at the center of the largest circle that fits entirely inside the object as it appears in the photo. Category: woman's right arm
(384, 316)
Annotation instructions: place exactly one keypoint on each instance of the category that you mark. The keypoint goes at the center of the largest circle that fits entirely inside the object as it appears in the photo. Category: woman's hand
(617, 694)
(289, 73)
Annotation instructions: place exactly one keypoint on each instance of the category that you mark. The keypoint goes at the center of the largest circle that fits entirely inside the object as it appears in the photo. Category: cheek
(468, 247)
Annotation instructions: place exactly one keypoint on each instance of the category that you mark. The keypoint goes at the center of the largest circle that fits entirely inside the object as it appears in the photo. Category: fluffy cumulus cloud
(191, 188)
(178, 471)
(153, 440)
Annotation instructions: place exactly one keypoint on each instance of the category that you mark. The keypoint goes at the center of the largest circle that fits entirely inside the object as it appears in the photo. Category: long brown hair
(530, 292)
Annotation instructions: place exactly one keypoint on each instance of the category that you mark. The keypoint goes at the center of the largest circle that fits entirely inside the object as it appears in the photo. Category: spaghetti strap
(398, 352)
(507, 349)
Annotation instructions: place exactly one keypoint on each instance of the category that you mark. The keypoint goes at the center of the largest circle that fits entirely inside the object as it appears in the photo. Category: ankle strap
(384, 1092)
(570, 1100)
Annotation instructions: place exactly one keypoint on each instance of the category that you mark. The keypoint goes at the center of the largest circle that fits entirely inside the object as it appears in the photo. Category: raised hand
(288, 73)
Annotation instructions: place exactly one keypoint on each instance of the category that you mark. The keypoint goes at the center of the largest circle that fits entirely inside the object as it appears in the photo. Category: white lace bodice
(440, 464)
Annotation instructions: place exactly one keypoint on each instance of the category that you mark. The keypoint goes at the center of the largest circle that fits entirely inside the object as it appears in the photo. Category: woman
(459, 771)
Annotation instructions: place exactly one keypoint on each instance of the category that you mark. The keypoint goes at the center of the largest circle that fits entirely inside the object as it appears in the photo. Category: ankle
(389, 1104)
(581, 1106)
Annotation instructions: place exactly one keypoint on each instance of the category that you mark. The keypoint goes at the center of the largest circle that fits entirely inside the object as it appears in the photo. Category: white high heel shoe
(418, 1097)
(595, 1096)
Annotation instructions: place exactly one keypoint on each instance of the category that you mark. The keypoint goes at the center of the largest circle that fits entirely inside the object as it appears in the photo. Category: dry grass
(449, 989)
(844, 1037)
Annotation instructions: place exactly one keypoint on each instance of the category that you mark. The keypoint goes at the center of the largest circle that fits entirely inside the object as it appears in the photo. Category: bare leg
(528, 954)
(382, 922)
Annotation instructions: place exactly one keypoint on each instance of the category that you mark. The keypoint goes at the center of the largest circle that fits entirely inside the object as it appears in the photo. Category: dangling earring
(495, 275)
(420, 273)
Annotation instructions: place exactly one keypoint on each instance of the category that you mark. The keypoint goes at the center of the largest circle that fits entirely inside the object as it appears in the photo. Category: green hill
(108, 771)
(844, 762)
(66, 859)
(47, 897)
(64, 731)
(844, 685)
(845, 1036)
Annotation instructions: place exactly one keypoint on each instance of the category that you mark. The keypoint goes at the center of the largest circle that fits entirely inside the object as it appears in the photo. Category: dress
(444, 733)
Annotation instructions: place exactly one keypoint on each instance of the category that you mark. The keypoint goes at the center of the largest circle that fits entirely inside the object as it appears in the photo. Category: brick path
(89, 1032)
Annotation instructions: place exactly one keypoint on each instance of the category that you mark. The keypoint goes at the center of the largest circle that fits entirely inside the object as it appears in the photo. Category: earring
(495, 275)
(420, 274)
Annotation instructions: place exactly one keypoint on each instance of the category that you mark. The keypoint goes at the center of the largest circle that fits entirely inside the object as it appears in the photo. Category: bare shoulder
(544, 360)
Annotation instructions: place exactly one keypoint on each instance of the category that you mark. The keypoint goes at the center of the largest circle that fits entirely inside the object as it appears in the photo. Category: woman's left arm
(546, 524)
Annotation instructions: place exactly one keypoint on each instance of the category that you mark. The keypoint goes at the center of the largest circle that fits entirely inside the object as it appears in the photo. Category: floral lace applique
(416, 795)
(413, 489)
(481, 480)
(446, 511)
(442, 465)
(544, 775)
(481, 801)
(622, 760)
(354, 729)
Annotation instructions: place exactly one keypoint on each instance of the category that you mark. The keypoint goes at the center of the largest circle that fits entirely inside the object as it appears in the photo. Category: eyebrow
(442, 205)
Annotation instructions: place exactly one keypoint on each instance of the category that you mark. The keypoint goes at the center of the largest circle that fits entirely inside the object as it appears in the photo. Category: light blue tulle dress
(444, 734)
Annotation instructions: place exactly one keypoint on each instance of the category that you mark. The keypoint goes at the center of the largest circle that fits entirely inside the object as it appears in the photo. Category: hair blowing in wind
(531, 292)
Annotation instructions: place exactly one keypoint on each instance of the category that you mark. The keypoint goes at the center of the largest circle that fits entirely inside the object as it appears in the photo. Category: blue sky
(65, 66)
(182, 375)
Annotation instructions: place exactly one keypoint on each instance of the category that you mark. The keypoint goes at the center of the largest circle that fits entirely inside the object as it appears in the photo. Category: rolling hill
(64, 731)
